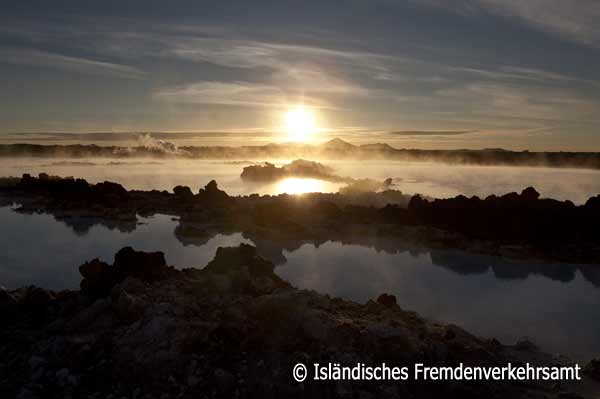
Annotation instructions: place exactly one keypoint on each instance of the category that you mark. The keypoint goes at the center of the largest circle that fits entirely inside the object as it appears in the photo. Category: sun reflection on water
(297, 185)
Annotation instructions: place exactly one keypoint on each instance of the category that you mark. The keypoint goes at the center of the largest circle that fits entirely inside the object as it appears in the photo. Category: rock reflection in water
(487, 295)
(37, 249)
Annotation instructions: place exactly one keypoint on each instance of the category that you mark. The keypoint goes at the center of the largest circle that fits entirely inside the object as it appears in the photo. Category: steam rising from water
(432, 179)
(156, 145)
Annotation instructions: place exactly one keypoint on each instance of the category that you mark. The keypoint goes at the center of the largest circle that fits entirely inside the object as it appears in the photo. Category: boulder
(246, 270)
(128, 307)
(530, 194)
(387, 300)
(109, 188)
(100, 278)
(183, 193)
(145, 266)
(212, 197)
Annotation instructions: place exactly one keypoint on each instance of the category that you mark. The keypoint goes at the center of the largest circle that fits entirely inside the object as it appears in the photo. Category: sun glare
(295, 185)
(300, 124)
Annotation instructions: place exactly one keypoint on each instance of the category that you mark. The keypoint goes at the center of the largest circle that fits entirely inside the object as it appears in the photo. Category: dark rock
(212, 197)
(530, 194)
(387, 300)
(145, 266)
(36, 298)
(525, 345)
(108, 188)
(266, 172)
(6, 299)
(183, 193)
(224, 380)
(245, 269)
(128, 307)
(449, 334)
(100, 278)
(592, 369)
(179, 338)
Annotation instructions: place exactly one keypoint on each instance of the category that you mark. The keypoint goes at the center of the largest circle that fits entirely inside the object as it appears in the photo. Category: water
(553, 304)
(38, 250)
(433, 179)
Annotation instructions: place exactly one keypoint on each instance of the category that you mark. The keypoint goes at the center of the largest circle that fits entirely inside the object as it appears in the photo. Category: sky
(414, 73)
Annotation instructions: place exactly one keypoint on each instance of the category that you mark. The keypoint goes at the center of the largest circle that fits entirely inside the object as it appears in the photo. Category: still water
(552, 304)
(432, 179)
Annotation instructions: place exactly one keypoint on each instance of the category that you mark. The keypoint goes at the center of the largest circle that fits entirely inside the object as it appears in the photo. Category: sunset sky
(415, 73)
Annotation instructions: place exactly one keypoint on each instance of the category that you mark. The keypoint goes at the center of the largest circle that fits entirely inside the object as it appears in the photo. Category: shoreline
(226, 329)
(517, 226)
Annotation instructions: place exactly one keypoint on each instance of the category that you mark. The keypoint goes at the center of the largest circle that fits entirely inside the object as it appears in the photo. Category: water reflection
(36, 249)
(300, 186)
(427, 178)
(489, 296)
(558, 316)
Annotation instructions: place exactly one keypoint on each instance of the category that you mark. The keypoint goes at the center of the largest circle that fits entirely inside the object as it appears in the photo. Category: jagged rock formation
(519, 225)
(232, 329)
(268, 172)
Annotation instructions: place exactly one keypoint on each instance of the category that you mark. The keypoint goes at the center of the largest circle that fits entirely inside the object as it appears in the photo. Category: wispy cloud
(432, 132)
(224, 93)
(574, 19)
(291, 73)
(524, 74)
(251, 54)
(38, 58)
(501, 100)
(577, 19)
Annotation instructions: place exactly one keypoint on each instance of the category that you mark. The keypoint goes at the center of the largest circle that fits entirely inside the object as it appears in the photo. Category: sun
(300, 124)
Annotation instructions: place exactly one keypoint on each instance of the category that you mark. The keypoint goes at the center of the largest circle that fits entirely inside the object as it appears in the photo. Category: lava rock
(387, 300)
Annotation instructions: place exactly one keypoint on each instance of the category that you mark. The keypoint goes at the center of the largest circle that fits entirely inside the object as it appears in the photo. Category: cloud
(82, 65)
(231, 52)
(498, 101)
(224, 93)
(576, 19)
(432, 132)
(516, 73)
(290, 73)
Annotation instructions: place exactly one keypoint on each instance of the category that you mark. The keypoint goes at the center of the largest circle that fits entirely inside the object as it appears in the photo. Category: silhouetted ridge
(333, 149)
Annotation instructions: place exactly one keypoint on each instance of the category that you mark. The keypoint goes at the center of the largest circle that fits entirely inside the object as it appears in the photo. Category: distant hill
(337, 144)
(333, 149)
(377, 147)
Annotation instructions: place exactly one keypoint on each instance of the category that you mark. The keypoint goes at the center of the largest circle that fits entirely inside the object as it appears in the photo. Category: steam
(165, 147)
(154, 146)
(267, 172)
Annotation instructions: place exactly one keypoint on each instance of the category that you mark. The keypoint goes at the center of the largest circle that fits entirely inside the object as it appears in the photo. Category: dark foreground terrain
(140, 329)
(515, 225)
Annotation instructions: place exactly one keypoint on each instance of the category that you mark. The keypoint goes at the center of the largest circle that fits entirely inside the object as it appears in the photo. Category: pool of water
(433, 179)
(553, 304)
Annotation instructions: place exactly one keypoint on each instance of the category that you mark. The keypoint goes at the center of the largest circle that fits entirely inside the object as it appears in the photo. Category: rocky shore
(517, 225)
(141, 329)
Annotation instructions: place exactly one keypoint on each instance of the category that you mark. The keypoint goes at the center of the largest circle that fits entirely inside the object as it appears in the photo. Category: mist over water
(432, 179)
(505, 301)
